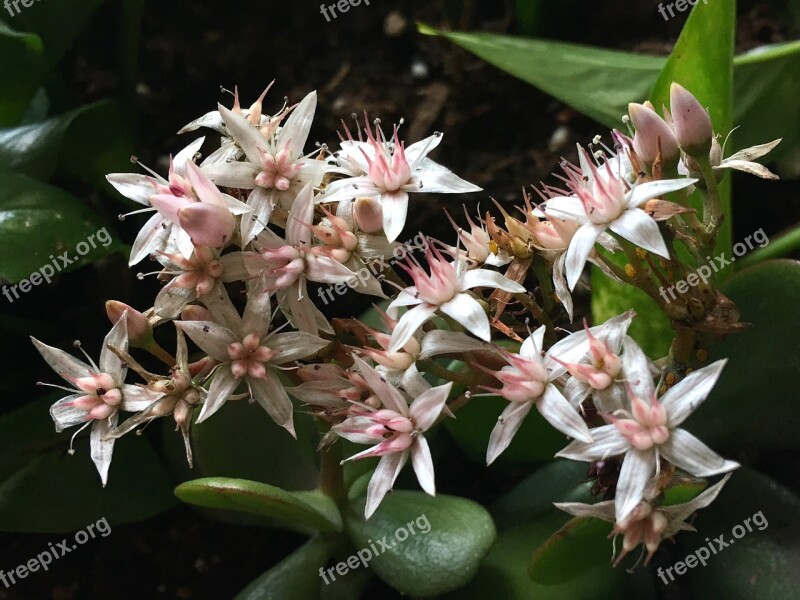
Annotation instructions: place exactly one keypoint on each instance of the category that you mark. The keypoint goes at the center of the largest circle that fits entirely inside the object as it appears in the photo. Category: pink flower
(395, 430)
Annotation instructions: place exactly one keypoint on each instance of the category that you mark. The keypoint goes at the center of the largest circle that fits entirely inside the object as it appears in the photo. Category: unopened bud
(652, 134)
(140, 333)
(691, 122)
(368, 214)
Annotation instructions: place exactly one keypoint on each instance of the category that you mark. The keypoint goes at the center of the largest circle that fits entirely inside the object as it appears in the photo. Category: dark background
(497, 134)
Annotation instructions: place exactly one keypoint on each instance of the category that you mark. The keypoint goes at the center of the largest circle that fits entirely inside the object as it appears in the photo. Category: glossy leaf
(38, 222)
(57, 23)
(22, 69)
(754, 404)
(536, 440)
(764, 560)
(34, 149)
(597, 82)
(301, 510)
(294, 577)
(43, 489)
(459, 534)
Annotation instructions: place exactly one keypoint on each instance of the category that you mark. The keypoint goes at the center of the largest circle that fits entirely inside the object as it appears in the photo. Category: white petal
(506, 428)
(532, 346)
(232, 174)
(187, 154)
(387, 393)
(257, 315)
(751, 168)
(576, 392)
(261, 202)
(636, 369)
(298, 125)
(428, 406)
(677, 513)
(151, 238)
(579, 249)
(417, 151)
(468, 312)
(324, 269)
(423, 465)
(614, 330)
(492, 279)
(438, 342)
(690, 454)
(406, 297)
(395, 211)
(637, 226)
(64, 415)
(601, 510)
(271, 395)
(247, 136)
(654, 189)
(408, 325)
(293, 346)
(754, 152)
(560, 414)
(301, 310)
(133, 186)
(212, 339)
(684, 397)
(118, 338)
(638, 469)
(64, 364)
(171, 300)
(608, 441)
(136, 398)
(568, 208)
(300, 217)
(440, 182)
(383, 479)
(102, 446)
(222, 386)
(560, 283)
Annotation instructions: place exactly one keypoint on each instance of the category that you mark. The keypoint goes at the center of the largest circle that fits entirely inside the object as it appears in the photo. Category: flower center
(249, 357)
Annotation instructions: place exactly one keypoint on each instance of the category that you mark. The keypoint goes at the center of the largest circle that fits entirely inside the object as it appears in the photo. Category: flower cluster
(260, 217)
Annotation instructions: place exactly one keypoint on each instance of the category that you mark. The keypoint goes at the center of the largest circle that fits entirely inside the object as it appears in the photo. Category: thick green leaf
(781, 246)
(57, 23)
(451, 536)
(536, 441)
(263, 451)
(38, 222)
(294, 577)
(302, 510)
(34, 149)
(43, 489)
(764, 561)
(754, 404)
(559, 481)
(22, 68)
(582, 543)
(597, 82)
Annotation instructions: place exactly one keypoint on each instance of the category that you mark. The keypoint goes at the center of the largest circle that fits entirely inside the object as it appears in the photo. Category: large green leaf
(764, 560)
(526, 519)
(597, 82)
(38, 223)
(294, 577)
(57, 23)
(536, 441)
(34, 149)
(450, 537)
(22, 68)
(302, 510)
(43, 489)
(754, 404)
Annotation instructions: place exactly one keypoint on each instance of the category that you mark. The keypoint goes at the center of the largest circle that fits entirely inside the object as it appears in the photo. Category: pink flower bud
(207, 224)
(652, 132)
(139, 329)
(368, 214)
(693, 127)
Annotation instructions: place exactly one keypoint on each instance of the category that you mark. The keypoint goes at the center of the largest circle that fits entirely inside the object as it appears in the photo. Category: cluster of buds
(324, 217)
